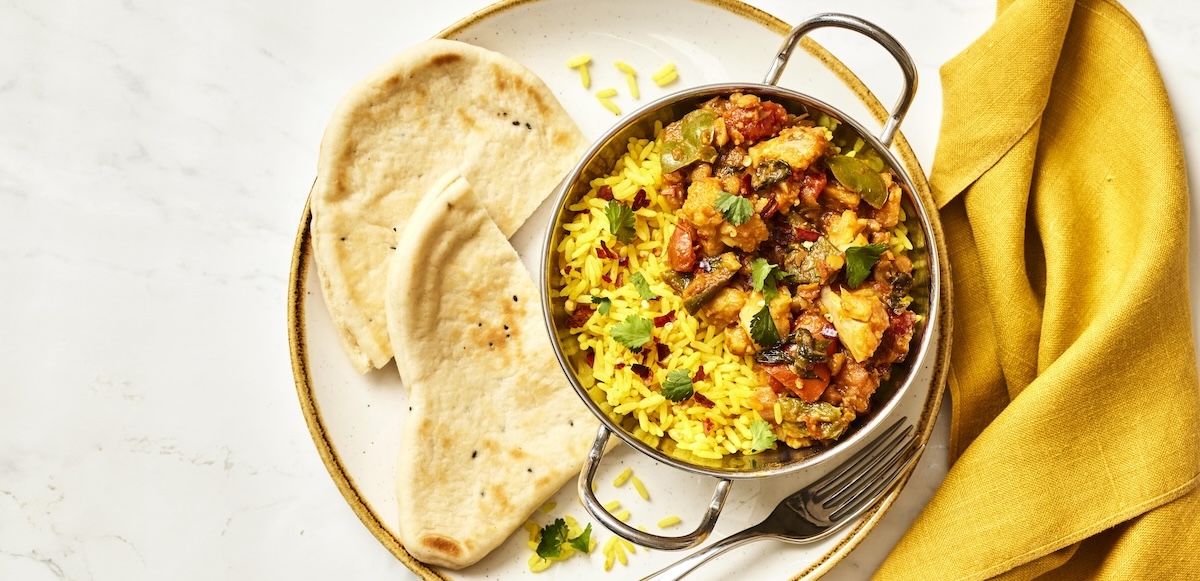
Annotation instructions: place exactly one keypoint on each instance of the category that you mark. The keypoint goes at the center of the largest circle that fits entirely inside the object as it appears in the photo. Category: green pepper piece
(675, 280)
(688, 140)
(858, 176)
(705, 285)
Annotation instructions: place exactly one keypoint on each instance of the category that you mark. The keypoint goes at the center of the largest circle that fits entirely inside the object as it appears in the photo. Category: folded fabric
(1076, 408)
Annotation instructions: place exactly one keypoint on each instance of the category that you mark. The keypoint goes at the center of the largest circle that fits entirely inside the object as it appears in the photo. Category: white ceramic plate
(356, 420)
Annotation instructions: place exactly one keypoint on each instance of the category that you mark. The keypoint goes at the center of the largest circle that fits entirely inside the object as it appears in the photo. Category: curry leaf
(857, 175)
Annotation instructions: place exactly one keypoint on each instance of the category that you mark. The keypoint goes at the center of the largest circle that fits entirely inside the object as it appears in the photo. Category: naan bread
(438, 106)
(494, 428)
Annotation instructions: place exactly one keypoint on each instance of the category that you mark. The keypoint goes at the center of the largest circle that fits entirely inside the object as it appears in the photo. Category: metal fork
(821, 508)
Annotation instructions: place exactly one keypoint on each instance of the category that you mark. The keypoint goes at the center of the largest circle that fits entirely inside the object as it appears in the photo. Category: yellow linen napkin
(1076, 409)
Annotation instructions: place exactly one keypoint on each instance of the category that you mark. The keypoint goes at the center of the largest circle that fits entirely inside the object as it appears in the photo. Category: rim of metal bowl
(613, 140)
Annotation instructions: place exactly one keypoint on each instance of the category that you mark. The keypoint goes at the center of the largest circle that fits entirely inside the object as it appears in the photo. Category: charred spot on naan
(445, 59)
(443, 545)
(501, 81)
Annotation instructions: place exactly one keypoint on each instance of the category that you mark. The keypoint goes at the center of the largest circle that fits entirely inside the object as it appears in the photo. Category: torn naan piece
(438, 106)
(495, 427)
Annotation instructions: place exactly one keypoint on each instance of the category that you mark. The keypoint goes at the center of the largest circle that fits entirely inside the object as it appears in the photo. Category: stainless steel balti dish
(925, 292)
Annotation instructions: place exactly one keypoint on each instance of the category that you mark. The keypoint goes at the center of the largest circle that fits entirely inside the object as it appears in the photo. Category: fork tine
(884, 455)
(862, 460)
(853, 503)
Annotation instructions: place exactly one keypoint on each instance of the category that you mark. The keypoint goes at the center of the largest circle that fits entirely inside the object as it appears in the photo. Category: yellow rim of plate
(297, 289)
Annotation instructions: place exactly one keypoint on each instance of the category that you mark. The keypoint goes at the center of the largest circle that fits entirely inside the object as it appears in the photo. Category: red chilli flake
(620, 280)
(640, 201)
(704, 401)
(618, 365)
(622, 261)
(663, 351)
(606, 278)
(663, 320)
(769, 209)
(605, 193)
(709, 426)
(591, 357)
(567, 269)
(607, 252)
(641, 370)
(700, 375)
(807, 235)
(746, 188)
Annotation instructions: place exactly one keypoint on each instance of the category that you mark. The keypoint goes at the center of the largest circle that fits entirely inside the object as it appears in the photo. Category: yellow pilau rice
(728, 380)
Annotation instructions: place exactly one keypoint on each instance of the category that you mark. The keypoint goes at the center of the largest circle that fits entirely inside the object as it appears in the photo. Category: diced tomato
(811, 389)
(811, 186)
(681, 250)
(782, 374)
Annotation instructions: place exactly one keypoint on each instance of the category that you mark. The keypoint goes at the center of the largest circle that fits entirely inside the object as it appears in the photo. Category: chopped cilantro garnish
(678, 385)
(583, 542)
(761, 436)
(765, 275)
(643, 287)
(604, 302)
(762, 328)
(859, 260)
(633, 332)
(736, 209)
(553, 536)
(620, 221)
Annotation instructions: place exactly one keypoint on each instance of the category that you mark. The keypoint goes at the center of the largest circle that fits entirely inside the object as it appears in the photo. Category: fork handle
(681, 568)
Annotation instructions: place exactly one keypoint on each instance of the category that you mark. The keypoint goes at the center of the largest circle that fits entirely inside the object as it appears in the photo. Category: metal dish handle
(597, 510)
(871, 31)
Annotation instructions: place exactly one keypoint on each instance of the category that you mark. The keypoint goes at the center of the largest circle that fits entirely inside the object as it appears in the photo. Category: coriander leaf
(678, 385)
(553, 536)
(604, 302)
(643, 287)
(765, 275)
(859, 260)
(761, 436)
(736, 209)
(583, 542)
(762, 328)
(633, 332)
(620, 221)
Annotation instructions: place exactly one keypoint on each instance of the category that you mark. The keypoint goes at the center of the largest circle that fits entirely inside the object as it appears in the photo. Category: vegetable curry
(785, 243)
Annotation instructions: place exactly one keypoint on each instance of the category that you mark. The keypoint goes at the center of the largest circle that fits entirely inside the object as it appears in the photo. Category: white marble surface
(154, 161)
